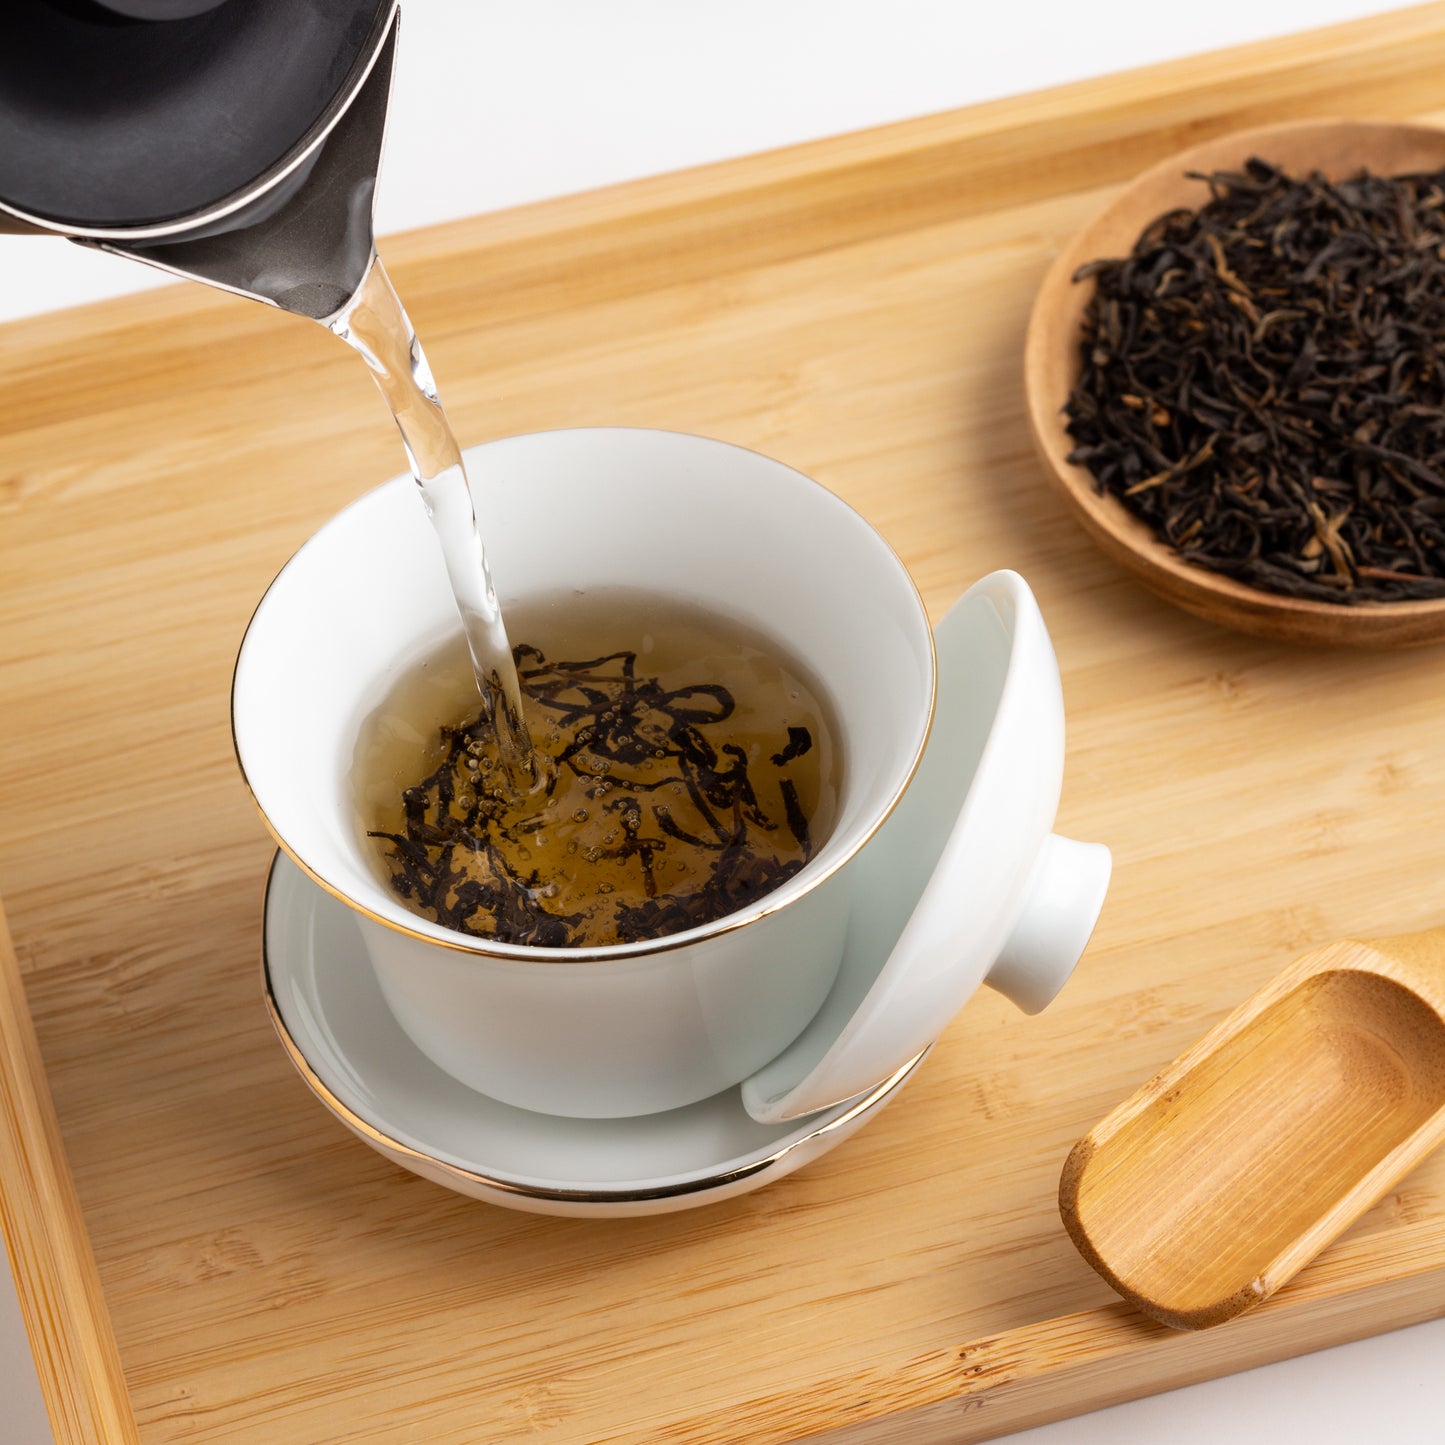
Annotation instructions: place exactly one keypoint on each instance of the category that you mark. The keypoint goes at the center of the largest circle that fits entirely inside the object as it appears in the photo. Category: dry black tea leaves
(1263, 384)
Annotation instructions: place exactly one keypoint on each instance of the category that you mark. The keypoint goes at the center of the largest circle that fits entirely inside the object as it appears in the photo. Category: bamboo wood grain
(1222, 1177)
(45, 1237)
(856, 308)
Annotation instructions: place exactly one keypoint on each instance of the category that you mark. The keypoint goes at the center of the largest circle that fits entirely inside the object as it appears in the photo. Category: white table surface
(498, 104)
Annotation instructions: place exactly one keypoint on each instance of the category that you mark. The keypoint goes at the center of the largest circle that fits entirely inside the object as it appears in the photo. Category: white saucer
(338, 1031)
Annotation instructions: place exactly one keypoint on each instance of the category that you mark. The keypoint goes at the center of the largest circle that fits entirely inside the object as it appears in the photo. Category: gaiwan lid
(965, 883)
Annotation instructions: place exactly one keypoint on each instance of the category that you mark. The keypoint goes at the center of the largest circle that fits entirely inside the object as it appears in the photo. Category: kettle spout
(306, 244)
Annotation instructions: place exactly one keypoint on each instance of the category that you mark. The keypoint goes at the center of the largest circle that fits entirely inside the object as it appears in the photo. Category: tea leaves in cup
(687, 771)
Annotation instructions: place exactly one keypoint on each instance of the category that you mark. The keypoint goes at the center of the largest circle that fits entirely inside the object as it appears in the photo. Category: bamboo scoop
(1225, 1174)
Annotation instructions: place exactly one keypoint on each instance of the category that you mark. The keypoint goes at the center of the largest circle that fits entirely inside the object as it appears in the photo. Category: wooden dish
(1339, 148)
(1228, 1172)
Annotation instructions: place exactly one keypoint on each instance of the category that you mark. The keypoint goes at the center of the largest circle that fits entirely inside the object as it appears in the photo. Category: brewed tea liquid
(376, 325)
(690, 769)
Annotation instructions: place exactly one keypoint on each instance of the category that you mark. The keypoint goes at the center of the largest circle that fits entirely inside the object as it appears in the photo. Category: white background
(500, 104)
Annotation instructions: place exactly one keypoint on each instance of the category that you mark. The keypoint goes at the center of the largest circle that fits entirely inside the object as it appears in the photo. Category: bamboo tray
(856, 308)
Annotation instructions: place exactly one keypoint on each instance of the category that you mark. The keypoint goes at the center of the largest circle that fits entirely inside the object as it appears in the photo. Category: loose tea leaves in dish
(684, 780)
(1263, 383)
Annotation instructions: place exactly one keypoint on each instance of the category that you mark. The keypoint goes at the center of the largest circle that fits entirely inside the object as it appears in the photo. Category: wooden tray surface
(856, 308)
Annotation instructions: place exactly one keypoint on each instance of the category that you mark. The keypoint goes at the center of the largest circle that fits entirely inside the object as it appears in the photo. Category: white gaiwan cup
(940, 872)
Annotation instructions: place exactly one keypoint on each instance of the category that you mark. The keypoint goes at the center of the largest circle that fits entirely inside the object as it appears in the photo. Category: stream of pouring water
(375, 323)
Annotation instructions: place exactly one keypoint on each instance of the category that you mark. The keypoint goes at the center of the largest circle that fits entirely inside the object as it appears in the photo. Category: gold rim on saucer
(600, 1195)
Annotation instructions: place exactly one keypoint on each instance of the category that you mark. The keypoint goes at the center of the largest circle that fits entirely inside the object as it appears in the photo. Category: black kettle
(234, 142)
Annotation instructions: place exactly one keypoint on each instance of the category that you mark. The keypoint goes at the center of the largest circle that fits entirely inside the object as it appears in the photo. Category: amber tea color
(686, 770)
